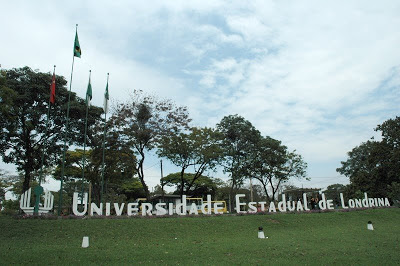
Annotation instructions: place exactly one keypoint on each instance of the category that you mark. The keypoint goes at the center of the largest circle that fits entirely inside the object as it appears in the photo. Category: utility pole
(251, 190)
(161, 169)
(230, 207)
(161, 180)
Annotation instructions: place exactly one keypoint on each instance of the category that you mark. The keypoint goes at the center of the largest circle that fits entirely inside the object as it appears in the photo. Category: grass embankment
(314, 238)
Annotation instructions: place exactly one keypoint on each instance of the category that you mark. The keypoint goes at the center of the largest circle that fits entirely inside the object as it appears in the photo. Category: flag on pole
(89, 94)
(106, 98)
(53, 89)
(77, 47)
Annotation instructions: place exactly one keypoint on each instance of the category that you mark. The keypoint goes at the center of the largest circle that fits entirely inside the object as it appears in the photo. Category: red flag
(53, 89)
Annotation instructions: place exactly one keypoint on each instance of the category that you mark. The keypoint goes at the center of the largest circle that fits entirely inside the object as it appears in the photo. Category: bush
(394, 193)
(10, 207)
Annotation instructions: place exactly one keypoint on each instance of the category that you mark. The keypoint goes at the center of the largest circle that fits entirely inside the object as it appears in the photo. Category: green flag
(77, 47)
(106, 98)
(89, 93)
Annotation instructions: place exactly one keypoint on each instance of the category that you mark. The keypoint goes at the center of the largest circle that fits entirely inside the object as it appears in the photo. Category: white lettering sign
(80, 205)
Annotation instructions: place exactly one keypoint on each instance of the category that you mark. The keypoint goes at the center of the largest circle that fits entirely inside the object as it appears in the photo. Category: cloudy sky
(318, 75)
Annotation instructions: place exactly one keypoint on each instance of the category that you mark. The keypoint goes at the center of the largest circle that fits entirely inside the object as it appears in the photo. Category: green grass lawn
(307, 238)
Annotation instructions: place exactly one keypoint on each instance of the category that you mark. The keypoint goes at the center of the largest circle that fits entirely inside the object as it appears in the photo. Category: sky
(317, 75)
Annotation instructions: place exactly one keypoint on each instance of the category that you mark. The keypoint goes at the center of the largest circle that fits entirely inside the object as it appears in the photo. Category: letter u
(75, 204)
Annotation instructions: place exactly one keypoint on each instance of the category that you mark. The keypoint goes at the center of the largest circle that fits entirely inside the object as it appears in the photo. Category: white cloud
(309, 74)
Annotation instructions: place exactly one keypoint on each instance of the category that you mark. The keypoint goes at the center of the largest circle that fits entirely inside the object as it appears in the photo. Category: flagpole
(104, 141)
(65, 133)
(84, 143)
(36, 210)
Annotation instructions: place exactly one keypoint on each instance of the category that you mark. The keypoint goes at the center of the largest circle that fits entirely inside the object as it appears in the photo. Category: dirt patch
(273, 221)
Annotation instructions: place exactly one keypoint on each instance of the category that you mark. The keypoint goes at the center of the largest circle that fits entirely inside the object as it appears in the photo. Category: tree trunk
(196, 176)
(274, 190)
(141, 176)
(27, 179)
(96, 190)
(265, 189)
(28, 170)
(182, 182)
(231, 192)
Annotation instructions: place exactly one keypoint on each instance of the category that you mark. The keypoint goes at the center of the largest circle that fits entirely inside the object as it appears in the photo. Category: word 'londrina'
(208, 208)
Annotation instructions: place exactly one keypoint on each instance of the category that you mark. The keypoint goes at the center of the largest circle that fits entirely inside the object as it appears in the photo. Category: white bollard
(85, 242)
(369, 226)
(261, 233)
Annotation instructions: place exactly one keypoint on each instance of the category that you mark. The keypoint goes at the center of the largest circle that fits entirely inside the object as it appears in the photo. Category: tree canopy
(119, 161)
(202, 185)
(239, 139)
(199, 149)
(137, 126)
(24, 104)
(374, 166)
(272, 164)
(143, 120)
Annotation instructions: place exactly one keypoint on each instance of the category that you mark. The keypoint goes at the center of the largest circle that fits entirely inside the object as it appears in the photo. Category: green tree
(373, 166)
(239, 139)
(394, 192)
(24, 99)
(119, 163)
(158, 190)
(273, 165)
(142, 121)
(199, 149)
(203, 185)
(367, 168)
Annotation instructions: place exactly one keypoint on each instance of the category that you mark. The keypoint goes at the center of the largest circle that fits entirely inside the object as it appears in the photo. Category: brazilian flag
(106, 98)
(77, 47)
(89, 93)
